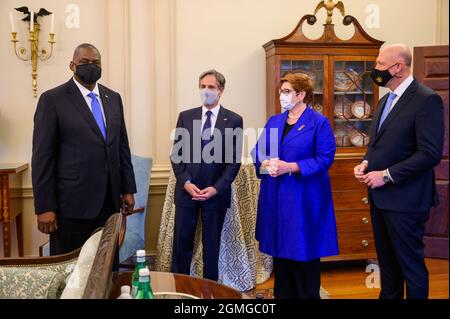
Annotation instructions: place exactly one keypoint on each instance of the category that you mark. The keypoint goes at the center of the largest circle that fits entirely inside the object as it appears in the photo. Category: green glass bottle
(145, 290)
(140, 264)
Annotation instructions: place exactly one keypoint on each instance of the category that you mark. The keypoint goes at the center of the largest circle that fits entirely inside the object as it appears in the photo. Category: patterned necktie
(206, 138)
(97, 112)
(387, 109)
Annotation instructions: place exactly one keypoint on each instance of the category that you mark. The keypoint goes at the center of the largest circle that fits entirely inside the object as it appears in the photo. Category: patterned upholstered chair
(84, 273)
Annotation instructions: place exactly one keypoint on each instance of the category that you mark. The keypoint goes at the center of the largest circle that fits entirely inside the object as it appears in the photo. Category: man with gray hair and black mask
(205, 158)
(406, 143)
(81, 163)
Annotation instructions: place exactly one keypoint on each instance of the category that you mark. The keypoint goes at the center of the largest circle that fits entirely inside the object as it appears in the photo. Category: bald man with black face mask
(406, 143)
(81, 163)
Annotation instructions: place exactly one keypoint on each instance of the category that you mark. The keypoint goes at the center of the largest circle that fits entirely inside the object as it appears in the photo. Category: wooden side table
(7, 169)
(166, 282)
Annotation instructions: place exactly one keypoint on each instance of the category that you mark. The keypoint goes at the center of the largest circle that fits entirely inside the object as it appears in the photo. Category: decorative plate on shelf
(343, 108)
(318, 108)
(346, 81)
(310, 74)
(341, 135)
(361, 110)
(359, 139)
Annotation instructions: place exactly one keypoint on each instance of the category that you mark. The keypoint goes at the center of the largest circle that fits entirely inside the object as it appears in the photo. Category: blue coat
(295, 213)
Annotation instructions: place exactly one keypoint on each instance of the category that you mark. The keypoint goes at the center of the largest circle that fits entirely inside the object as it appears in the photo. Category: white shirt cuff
(389, 175)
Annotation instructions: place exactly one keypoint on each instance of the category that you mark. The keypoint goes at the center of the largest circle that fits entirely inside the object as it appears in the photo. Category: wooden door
(431, 69)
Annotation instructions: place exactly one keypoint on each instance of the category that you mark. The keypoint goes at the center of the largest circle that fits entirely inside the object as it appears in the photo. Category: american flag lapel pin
(301, 127)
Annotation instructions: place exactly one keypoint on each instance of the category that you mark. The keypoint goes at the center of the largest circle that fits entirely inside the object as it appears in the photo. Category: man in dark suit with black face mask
(406, 142)
(81, 163)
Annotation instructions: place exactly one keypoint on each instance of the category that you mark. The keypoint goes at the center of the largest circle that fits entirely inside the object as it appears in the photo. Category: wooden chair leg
(19, 231)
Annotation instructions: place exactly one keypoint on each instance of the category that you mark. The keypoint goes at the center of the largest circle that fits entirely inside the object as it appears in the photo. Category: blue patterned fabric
(135, 232)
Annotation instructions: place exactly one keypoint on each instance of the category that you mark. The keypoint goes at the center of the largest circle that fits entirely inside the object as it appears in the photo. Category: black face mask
(382, 78)
(88, 73)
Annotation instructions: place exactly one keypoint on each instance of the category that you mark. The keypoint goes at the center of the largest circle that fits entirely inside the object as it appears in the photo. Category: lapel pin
(301, 127)
(225, 119)
(106, 96)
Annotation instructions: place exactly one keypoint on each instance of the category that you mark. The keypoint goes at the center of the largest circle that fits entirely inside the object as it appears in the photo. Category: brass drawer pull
(365, 200)
(364, 243)
(365, 220)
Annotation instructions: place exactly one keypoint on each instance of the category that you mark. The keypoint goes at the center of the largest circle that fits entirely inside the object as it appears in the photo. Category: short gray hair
(219, 77)
(85, 46)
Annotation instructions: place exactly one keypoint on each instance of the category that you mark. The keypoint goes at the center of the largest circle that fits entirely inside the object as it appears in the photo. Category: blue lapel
(303, 125)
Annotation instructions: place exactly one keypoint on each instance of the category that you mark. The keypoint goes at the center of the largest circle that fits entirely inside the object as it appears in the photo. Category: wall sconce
(34, 52)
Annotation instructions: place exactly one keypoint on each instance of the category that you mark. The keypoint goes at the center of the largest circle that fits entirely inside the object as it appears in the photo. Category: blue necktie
(206, 137)
(97, 112)
(387, 109)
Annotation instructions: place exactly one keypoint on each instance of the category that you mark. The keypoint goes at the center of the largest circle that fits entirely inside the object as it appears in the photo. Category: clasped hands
(372, 179)
(200, 195)
(277, 167)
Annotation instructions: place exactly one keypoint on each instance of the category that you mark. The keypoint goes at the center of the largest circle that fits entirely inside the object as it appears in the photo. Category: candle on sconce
(32, 22)
(52, 26)
(13, 27)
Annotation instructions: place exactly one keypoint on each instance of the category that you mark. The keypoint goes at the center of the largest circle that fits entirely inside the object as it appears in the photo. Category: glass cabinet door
(312, 68)
(354, 102)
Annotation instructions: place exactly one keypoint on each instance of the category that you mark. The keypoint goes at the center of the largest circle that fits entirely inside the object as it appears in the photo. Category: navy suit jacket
(409, 144)
(219, 174)
(71, 160)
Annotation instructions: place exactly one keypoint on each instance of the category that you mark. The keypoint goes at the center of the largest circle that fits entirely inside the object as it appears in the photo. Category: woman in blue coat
(295, 222)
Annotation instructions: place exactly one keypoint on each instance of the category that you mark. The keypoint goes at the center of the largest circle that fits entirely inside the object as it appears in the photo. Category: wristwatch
(386, 178)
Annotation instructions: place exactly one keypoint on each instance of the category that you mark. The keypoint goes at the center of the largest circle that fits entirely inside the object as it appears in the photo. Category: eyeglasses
(285, 91)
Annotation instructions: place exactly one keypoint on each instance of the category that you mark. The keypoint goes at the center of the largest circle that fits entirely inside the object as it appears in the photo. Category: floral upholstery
(34, 281)
(50, 281)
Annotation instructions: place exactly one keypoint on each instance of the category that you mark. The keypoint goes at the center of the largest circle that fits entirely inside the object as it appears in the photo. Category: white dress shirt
(215, 113)
(85, 92)
(401, 89)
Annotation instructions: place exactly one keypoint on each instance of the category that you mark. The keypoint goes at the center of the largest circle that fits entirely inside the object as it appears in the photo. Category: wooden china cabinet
(345, 93)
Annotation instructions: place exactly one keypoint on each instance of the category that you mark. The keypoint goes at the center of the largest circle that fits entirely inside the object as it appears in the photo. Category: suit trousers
(184, 234)
(73, 233)
(296, 279)
(400, 250)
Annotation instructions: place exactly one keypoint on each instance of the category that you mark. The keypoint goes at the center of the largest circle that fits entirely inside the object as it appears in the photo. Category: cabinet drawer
(342, 177)
(351, 200)
(351, 222)
(356, 243)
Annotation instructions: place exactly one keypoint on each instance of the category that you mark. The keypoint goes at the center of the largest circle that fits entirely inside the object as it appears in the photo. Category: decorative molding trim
(160, 174)
(156, 190)
(158, 184)
(21, 193)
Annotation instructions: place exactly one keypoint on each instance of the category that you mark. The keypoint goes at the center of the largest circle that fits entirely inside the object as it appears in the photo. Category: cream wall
(153, 52)
(228, 35)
